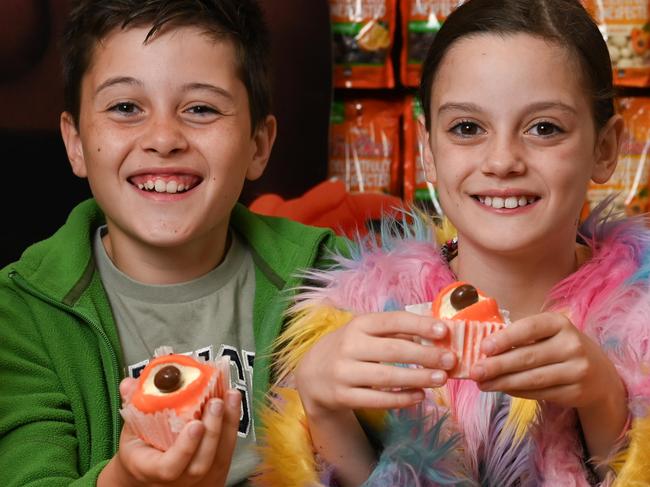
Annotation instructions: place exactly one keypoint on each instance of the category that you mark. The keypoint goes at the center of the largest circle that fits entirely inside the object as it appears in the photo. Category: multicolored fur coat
(460, 435)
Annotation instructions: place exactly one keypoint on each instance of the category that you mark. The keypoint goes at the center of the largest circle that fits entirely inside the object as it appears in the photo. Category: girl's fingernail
(478, 372)
(439, 330)
(216, 406)
(196, 430)
(448, 360)
(438, 377)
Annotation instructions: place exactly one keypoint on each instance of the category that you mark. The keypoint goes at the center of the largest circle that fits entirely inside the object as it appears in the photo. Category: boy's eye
(466, 129)
(202, 110)
(125, 108)
(544, 129)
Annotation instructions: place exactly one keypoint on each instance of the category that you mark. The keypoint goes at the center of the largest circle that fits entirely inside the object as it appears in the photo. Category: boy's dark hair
(564, 22)
(240, 21)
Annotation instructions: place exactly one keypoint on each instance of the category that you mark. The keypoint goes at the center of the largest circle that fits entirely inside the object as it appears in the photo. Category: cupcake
(171, 391)
(470, 316)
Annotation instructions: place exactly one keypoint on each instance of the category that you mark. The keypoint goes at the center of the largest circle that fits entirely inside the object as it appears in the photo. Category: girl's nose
(503, 158)
(164, 135)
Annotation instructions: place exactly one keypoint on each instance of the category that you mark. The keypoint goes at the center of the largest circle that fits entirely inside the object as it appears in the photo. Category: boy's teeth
(510, 202)
(160, 186)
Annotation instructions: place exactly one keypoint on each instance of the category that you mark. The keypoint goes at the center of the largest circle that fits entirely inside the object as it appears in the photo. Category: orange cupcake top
(462, 301)
(172, 382)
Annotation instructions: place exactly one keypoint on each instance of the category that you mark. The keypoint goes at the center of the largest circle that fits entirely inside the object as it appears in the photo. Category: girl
(519, 117)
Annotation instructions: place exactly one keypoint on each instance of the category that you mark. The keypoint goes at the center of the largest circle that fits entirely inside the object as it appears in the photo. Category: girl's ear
(262, 143)
(425, 151)
(73, 145)
(607, 149)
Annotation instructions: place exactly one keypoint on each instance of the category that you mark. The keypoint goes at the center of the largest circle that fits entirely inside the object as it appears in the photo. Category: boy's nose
(503, 158)
(165, 136)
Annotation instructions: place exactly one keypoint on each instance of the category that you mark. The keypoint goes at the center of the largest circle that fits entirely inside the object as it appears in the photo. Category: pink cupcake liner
(160, 429)
(464, 340)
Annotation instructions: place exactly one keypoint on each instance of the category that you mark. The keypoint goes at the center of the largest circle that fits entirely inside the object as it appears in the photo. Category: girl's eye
(544, 129)
(466, 129)
(125, 108)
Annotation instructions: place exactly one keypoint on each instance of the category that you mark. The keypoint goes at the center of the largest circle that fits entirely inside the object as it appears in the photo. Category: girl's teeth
(510, 202)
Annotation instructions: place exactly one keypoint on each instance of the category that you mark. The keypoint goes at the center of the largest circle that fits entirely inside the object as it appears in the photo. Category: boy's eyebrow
(118, 80)
(206, 86)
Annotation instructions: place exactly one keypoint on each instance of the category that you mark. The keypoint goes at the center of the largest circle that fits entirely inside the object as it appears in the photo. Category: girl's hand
(545, 357)
(200, 456)
(350, 368)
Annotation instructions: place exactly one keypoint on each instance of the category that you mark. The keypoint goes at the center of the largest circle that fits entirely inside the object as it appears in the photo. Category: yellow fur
(522, 413)
(287, 454)
(633, 464)
(445, 231)
(304, 330)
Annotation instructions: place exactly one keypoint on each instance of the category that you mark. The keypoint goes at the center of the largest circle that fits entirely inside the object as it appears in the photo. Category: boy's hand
(545, 357)
(200, 456)
(350, 368)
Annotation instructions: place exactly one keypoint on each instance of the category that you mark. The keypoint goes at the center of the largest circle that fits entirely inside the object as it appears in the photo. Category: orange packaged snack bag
(364, 145)
(363, 33)
(421, 20)
(626, 28)
(630, 179)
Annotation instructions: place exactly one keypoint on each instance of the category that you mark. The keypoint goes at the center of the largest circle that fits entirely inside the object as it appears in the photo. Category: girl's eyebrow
(533, 107)
(117, 80)
(557, 105)
(459, 107)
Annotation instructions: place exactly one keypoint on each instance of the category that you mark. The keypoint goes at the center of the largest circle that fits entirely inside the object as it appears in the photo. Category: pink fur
(412, 273)
(558, 454)
(597, 298)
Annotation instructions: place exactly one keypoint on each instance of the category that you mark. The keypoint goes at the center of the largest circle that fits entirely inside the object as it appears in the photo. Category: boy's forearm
(603, 423)
(339, 439)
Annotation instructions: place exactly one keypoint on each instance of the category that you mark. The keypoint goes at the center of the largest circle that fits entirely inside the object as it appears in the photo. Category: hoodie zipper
(25, 286)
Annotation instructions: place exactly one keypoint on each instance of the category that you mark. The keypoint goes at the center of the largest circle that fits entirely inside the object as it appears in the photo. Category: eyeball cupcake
(171, 391)
(470, 316)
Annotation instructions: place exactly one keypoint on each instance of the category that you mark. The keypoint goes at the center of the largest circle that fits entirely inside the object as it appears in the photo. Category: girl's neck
(519, 282)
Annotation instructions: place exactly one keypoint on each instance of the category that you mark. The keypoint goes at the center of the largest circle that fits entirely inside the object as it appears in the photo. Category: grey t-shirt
(211, 316)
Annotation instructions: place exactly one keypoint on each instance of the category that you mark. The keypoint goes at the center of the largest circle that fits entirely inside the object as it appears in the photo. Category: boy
(167, 113)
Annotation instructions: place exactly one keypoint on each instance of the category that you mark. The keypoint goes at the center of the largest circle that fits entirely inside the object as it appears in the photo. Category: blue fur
(418, 458)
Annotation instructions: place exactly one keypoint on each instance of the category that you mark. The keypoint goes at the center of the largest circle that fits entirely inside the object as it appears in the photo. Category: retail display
(375, 143)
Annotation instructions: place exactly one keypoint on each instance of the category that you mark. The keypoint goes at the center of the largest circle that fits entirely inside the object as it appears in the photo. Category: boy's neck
(165, 265)
(519, 283)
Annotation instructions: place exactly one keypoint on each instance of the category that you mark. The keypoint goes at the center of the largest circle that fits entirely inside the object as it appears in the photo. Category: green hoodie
(60, 357)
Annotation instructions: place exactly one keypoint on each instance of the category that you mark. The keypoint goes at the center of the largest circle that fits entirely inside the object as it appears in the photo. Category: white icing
(188, 375)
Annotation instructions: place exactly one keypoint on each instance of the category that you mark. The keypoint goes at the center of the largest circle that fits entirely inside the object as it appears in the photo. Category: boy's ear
(607, 149)
(73, 145)
(262, 144)
(425, 151)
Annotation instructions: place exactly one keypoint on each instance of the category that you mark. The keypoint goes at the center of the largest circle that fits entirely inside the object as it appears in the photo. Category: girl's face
(514, 143)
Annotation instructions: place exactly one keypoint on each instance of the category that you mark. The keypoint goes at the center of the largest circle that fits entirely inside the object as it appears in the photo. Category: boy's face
(165, 137)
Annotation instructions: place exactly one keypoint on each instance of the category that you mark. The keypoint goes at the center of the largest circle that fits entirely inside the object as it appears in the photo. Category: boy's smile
(165, 141)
